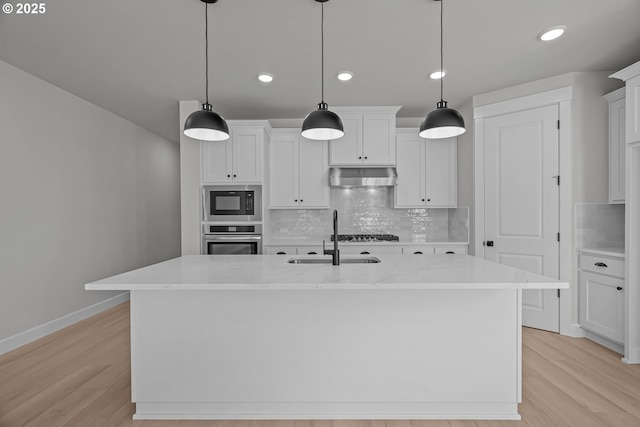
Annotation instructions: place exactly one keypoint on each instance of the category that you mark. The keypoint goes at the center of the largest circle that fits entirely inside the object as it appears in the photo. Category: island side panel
(326, 354)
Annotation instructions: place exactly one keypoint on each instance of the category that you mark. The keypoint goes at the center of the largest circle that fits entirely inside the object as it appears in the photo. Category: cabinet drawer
(280, 250)
(418, 250)
(451, 250)
(602, 265)
(370, 250)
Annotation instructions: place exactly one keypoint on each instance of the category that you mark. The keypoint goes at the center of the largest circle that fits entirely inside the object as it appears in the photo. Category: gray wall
(84, 195)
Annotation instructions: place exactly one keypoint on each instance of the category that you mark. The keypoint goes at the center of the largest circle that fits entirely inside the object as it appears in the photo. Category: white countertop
(266, 272)
(613, 252)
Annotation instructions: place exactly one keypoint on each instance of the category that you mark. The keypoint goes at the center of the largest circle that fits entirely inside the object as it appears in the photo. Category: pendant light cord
(441, 52)
(206, 49)
(322, 49)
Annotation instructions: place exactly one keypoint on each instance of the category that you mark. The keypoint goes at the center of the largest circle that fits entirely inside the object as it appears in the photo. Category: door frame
(567, 258)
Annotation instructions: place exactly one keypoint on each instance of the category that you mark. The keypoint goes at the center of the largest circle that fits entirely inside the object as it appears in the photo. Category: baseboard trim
(605, 342)
(572, 330)
(40, 331)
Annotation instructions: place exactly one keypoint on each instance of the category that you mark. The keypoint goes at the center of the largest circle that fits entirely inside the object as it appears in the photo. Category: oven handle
(212, 238)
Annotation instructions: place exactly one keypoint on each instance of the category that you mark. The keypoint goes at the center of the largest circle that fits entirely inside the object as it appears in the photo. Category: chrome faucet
(335, 253)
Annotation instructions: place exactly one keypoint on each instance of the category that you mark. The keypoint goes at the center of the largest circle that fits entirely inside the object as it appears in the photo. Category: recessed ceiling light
(552, 33)
(345, 76)
(265, 77)
(438, 74)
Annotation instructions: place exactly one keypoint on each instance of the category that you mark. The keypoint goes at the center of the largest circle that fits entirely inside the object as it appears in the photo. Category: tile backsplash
(599, 225)
(370, 210)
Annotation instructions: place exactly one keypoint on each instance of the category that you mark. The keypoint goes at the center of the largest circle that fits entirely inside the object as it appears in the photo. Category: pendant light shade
(322, 124)
(443, 122)
(205, 124)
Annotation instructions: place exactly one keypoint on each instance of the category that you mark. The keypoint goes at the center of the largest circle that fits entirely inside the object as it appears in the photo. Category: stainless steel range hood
(363, 177)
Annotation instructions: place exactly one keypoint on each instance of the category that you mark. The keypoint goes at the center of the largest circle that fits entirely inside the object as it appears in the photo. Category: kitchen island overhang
(253, 337)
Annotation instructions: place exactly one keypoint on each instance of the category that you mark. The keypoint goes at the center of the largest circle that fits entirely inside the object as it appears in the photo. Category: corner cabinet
(601, 281)
(298, 171)
(427, 171)
(617, 145)
(369, 137)
(236, 160)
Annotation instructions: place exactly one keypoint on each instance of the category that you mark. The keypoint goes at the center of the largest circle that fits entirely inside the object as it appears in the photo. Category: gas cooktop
(367, 238)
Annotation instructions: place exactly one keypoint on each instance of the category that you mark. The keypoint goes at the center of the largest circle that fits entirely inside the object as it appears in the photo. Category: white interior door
(521, 203)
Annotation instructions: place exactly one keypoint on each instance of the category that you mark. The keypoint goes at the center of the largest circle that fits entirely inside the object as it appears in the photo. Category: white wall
(465, 169)
(84, 195)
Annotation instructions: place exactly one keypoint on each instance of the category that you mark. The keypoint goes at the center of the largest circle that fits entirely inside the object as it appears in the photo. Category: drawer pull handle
(601, 264)
(417, 253)
(312, 253)
(364, 253)
(281, 253)
(619, 288)
(450, 252)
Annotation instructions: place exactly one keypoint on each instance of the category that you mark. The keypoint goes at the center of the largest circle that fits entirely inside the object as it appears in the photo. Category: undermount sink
(355, 260)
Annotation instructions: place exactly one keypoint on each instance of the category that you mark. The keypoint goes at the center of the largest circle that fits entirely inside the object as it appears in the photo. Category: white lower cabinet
(369, 249)
(350, 249)
(601, 309)
(292, 250)
(430, 250)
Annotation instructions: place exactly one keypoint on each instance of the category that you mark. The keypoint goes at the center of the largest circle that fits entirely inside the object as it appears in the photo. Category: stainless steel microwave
(232, 202)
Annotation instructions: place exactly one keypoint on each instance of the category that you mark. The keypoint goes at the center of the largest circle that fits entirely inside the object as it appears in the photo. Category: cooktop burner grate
(367, 238)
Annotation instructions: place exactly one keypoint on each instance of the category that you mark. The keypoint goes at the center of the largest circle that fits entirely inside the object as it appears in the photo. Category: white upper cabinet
(236, 160)
(298, 171)
(427, 171)
(369, 137)
(617, 145)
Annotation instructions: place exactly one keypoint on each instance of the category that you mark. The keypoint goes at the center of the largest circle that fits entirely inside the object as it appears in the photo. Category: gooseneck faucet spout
(335, 252)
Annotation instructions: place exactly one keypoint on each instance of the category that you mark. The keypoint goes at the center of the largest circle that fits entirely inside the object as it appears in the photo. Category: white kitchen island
(254, 337)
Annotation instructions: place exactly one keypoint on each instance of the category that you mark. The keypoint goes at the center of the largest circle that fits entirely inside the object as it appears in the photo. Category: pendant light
(206, 124)
(442, 122)
(322, 124)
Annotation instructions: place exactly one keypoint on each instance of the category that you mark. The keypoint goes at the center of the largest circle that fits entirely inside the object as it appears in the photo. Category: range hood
(363, 177)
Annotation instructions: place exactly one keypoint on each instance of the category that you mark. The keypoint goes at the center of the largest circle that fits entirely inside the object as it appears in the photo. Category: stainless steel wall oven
(232, 239)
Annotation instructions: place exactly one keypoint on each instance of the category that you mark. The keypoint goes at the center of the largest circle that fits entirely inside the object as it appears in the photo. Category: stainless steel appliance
(232, 203)
(232, 239)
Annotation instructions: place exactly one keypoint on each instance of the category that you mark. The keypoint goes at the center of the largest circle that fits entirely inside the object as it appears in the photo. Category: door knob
(488, 243)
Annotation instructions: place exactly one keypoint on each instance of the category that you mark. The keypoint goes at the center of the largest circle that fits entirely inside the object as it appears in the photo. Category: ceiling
(138, 58)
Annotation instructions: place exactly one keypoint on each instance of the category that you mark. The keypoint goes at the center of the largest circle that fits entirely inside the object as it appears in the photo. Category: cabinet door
(410, 192)
(283, 171)
(441, 172)
(602, 305)
(633, 109)
(247, 155)
(348, 149)
(216, 162)
(378, 141)
(617, 146)
(313, 173)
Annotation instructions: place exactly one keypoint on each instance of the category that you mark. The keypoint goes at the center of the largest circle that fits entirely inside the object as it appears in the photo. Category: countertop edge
(324, 286)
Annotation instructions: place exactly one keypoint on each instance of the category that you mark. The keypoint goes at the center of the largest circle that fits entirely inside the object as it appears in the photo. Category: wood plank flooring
(79, 377)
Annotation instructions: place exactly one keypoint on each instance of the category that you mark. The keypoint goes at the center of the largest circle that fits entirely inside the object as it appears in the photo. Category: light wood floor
(79, 377)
